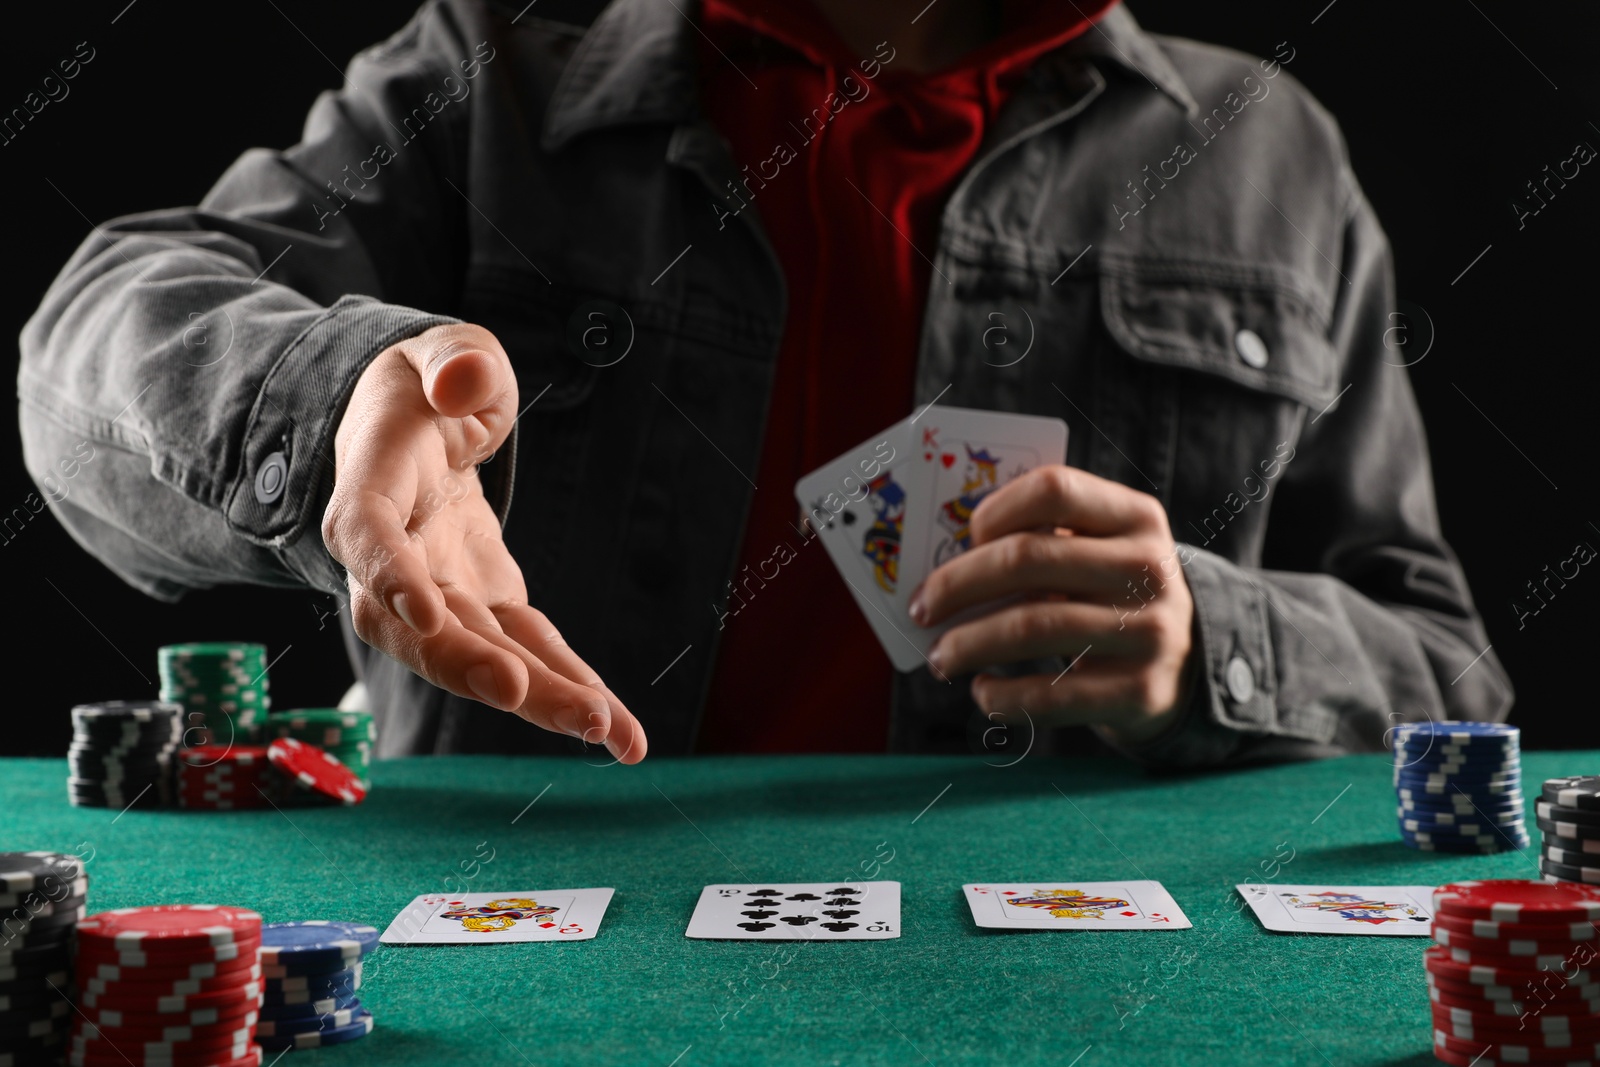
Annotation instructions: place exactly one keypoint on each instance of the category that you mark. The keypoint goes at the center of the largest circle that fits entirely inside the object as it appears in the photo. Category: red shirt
(848, 162)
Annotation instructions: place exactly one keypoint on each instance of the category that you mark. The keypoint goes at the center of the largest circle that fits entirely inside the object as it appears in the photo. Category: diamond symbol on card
(1131, 914)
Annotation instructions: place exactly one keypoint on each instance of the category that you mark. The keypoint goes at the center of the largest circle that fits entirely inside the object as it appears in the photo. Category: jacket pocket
(1218, 367)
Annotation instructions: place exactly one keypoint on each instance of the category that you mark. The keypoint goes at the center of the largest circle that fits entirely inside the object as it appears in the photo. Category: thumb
(467, 375)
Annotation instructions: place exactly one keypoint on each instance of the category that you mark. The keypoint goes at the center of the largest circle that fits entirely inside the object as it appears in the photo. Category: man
(653, 272)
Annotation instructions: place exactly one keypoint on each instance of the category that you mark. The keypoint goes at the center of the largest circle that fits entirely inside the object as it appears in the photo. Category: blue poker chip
(1457, 732)
(306, 1008)
(1444, 842)
(314, 945)
(1438, 763)
(1466, 800)
(1461, 818)
(323, 984)
(1480, 829)
(1450, 781)
(316, 995)
(359, 1026)
(300, 1024)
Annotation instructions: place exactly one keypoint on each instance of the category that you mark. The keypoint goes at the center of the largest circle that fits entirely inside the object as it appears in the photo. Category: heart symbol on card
(947, 458)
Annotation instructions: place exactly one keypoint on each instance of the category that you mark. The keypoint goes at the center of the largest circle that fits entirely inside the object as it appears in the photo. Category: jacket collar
(638, 64)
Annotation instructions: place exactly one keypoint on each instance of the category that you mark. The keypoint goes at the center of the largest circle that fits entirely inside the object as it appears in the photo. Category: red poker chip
(1518, 900)
(157, 974)
(224, 756)
(1516, 1051)
(1543, 963)
(1462, 1059)
(1439, 961)
(1501, 946)
(232, 1039)
(222, 1002)
(1489, 929)
(91, 954)
(316, 770)
(1568, 999)
(169, 926)
(1531, 1029)
(252, 1058)
(171, 987)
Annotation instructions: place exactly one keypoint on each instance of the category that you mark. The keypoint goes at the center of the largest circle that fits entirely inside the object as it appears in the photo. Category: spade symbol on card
(799, 920)
(755, 928)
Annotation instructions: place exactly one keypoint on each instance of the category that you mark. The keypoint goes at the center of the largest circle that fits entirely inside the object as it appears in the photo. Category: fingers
(364, 528)
(466, 375)
(457, 657)
(1053, 496)
(566, 694)
(1086, 567)
(1033, 629)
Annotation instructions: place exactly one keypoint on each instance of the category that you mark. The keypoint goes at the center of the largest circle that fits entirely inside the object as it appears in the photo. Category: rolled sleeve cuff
(1235, 693)
(285, 473)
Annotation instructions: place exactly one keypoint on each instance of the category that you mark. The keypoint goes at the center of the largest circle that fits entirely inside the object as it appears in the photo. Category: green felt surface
(1225, 992)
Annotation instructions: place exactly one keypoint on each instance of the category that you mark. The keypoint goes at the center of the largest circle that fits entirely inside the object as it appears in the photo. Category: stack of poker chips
(1568, 814)
(41, 901)
(222, 687)
(312, 775)
(348, 736)
(1459, 785)
(313, 970)
(226, 778)
(1504, 980)
(171, 985)
(121, 753)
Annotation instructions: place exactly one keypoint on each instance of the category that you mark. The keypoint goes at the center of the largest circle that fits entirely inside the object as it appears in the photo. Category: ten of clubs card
(1366, 910)
(484, 918)
(1131, 905)
(804, 911)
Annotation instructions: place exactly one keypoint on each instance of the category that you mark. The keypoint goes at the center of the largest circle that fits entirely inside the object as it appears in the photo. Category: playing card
(960, 456)
(1367, 910)
(1052, 905)
(857, 505)
(482, 918)
(805, 911)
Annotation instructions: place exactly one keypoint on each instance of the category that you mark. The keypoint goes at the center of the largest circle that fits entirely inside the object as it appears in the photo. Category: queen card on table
(1064, 905)
(484, 918)
(1373, 910)
(798, 911)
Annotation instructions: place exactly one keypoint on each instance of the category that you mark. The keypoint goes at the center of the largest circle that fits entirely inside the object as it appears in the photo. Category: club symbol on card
(802, 896)
(1352, 907)
(498, 914)
(840, 913)
(1071, 904)
(758, 913)
(799, 920)
(843, 891)
(754, 927)
(765, 893)
(841, 902)
(839, 927)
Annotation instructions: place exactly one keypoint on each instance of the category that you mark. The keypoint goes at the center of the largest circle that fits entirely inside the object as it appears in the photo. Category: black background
(1447, 116)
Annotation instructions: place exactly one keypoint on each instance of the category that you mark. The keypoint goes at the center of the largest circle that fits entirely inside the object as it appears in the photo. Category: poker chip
(45, 894)
(1588, 846)
(1507, 946)
(1579, 791)
(1568, 858)
(222, 687)
(298, 1007)
(348, 736)
(170, 985)
(121, 753)
(1494, 929)
(1544, 809)
(1516, 900)
(226, 778)
(315, 946)
(1453, 995)
(359, 1026)
(1448, 971)
(1571, 831)
(320, 985)
(1480, 1059)
(305, 1023)
(1567, 873)
(1457, 732)
(315, 771)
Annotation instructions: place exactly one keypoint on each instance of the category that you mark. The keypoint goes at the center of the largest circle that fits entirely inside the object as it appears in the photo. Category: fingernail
(400, 604)
(936, 658)
(917, 608)
(480, 680)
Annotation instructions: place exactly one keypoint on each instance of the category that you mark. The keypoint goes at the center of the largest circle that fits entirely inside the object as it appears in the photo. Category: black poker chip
(1572, 831)
(1562, 813)
(1586, 875)
(1576, 845)
(1579, 791)
(42, 986)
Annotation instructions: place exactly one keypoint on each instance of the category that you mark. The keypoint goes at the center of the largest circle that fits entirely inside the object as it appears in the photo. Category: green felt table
(1224, 992)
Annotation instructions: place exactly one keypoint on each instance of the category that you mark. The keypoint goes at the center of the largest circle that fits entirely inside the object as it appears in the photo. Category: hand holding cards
(896, 506)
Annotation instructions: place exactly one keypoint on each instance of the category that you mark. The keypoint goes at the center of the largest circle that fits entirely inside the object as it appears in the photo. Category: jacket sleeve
(1362, 618)
(202, 357)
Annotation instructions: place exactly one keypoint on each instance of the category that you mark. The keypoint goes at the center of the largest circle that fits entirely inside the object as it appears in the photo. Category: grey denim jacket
(1170, 231)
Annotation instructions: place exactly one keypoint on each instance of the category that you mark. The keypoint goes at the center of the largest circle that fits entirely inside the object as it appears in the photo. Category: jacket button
(271, 478)
(1241, 680)
(1251, 348)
